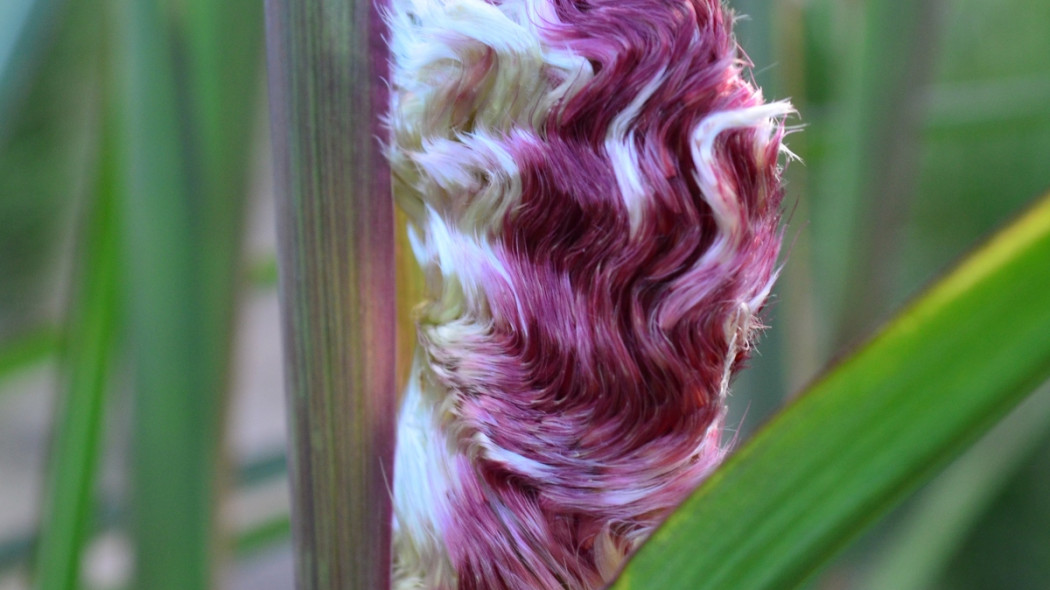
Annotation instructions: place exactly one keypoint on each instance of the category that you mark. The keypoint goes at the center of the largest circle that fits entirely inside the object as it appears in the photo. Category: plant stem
(327, 62)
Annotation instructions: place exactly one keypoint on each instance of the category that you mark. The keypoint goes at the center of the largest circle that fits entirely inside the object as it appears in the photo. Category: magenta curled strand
(594, 193)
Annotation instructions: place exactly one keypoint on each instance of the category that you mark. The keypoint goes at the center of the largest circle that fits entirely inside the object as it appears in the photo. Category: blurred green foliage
(45, 124)
(978, 152)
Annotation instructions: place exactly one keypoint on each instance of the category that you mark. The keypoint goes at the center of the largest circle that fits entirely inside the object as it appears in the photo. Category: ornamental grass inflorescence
(594, 194)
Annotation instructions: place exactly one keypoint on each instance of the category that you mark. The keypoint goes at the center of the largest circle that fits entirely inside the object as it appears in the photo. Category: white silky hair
(435, 159)
(724, 204)
(422, 482)
(623, 153)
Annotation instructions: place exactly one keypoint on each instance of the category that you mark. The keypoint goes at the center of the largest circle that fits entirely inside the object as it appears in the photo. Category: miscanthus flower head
(594, 194)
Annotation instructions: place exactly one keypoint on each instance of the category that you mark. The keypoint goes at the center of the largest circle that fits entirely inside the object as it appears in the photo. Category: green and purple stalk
(327, 62)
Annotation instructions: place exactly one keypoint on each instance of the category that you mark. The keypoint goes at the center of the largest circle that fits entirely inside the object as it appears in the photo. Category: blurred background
(140, 363)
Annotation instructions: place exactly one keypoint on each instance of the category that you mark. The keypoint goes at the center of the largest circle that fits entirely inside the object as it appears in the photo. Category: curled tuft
(594, 193)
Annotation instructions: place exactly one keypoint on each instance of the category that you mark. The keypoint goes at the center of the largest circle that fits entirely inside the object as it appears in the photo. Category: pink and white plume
(594, 194)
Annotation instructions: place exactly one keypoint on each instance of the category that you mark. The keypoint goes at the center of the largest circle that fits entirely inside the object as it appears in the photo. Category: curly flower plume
(594, 192)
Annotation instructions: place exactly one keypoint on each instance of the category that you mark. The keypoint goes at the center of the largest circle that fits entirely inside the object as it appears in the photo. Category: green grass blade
(191, 81)
(327, 62)
(174, 438)
(870, 430)
(262, 273)
(919, 549)
(27, 349)
(274, 530)
(87, 351)
(223, 45)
